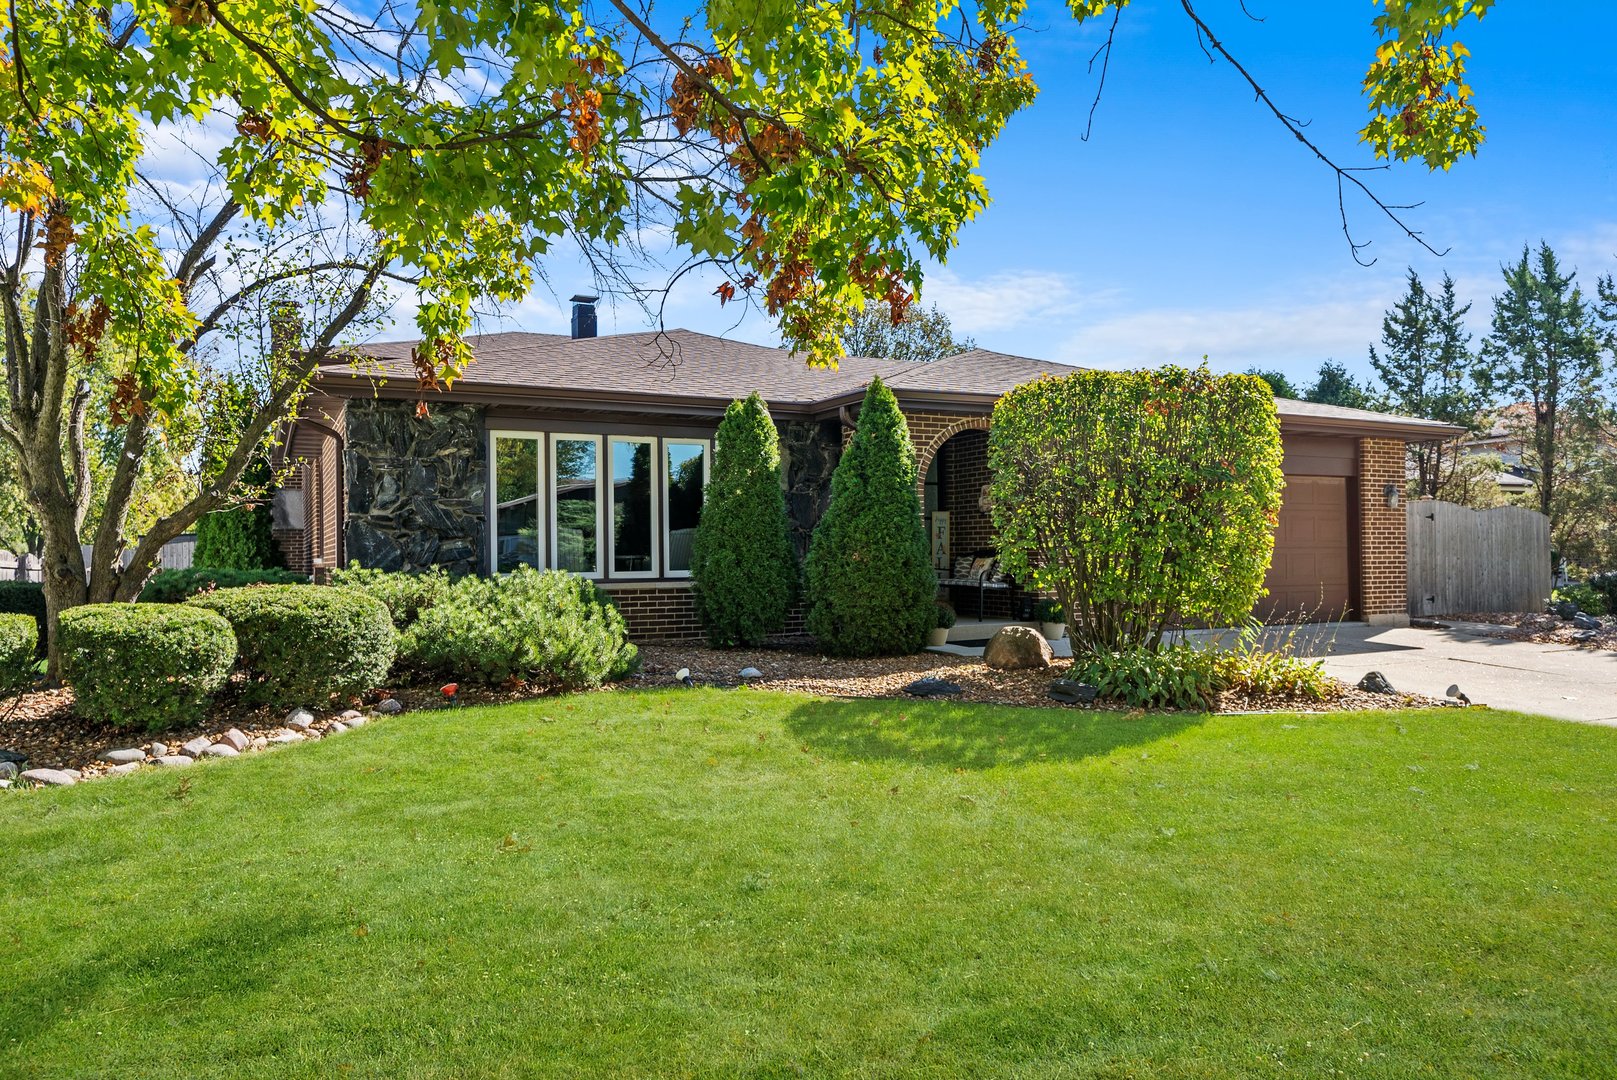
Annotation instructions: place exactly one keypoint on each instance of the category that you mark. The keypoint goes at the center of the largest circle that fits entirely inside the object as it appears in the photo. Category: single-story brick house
(589, 453)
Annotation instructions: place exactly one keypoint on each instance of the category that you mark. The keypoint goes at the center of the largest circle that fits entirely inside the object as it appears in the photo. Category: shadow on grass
(966, 736)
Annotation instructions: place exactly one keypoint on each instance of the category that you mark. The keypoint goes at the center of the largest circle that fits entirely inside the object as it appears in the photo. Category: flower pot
(938, 635)
(1053, 631)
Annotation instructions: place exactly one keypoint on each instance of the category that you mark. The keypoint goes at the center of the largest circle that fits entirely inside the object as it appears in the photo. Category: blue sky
(1191, 223)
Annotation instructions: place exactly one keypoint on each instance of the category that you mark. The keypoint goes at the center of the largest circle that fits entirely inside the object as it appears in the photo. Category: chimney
(584, 316)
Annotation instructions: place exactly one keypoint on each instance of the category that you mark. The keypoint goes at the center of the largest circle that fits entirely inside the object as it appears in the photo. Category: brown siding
(314, 459)
(1319, 455)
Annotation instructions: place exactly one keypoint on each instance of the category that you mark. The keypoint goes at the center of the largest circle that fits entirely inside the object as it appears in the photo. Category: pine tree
(1545, 351)
(236, 539)
(1429, 370)
(743, 565)
(870, 580)
(1335, 386)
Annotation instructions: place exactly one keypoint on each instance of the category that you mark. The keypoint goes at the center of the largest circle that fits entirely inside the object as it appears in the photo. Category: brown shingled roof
(682, 367)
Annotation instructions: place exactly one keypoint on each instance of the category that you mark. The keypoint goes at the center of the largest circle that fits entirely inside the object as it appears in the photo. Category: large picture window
(576, 485)
(634, 508)
(516, 502)
(684, 482)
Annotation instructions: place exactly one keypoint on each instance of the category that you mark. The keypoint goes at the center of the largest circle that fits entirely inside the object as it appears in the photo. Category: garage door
(1309, 577)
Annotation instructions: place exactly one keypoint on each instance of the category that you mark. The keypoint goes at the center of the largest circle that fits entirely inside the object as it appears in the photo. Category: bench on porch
(977, 571)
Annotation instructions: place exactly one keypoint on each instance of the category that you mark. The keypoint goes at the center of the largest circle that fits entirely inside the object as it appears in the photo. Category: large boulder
(1017, 648)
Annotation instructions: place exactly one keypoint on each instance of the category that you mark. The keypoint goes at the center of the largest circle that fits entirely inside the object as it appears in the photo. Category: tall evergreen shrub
(870, 578)
(742, 562)
(236, 539)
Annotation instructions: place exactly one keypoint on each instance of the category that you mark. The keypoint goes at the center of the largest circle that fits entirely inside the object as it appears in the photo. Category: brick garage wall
(657, 612)
(1383, 561)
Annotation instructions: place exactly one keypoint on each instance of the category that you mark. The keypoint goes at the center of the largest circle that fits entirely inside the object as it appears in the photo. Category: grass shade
(743, 883)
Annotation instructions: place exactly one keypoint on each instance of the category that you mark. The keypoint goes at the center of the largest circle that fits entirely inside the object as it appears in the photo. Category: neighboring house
(1507, 438)
(589, 453)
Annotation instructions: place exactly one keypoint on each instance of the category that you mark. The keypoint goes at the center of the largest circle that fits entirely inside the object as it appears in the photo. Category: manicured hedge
(405, 595)
(24, 598)
(173, 586)
(301, 644)
(550, 628)
(19, 646)
(149, 665)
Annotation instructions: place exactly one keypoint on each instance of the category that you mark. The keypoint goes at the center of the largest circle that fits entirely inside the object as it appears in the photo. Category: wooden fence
(175, 555)
(1465, 560)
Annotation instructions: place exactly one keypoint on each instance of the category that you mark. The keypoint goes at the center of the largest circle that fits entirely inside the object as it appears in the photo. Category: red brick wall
(666, 611)
(1383, 565)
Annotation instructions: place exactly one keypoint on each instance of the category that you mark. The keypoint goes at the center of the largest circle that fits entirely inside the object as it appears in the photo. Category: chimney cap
(583, 298)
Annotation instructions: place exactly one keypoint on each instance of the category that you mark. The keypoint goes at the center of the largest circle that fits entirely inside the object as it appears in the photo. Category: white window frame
(612, 509)
(603, 535)
(539, 490)
(667, 477)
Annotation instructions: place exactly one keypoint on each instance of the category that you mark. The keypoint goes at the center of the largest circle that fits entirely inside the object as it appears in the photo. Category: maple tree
(817, 154)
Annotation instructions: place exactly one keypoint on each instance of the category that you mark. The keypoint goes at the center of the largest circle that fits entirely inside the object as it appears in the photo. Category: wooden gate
(1465, 560)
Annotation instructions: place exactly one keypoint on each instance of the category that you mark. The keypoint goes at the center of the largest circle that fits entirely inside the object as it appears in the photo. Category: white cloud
(1009, 299)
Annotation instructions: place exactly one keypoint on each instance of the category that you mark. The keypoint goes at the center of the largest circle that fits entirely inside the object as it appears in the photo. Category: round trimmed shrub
(548, 627)
(25, 598)
(301, 644)
(19, 646)
(151, 666)
(743, 566)
(405, 595)
(173, 586)
(870, 578)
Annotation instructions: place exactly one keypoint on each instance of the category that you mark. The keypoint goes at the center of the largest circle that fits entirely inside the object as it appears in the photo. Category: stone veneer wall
(1383, 558)
(415, 487)
(809, 451)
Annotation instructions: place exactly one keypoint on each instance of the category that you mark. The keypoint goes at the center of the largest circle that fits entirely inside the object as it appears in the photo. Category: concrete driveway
(1552, 680)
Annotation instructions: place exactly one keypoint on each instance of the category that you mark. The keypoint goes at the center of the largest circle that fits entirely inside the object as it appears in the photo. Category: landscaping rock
(1566, 609)
(258, 743)
(1017, 648)
(8, 770)
(358, 721)
(1073, 693)
(299, 719)
(349, 714)
(124, 757)
(286, 737)
(159, 749)
(1586, 635)
(125, 769)
(1586, 622)
(220, 749)
(1376, 683)
(389, 706)
(195, 747)
(235, 739)
(337, 728)
(13, 756)
(751, 673)
(171, 761)
(50, 777)
(932, 686)
(4, 784)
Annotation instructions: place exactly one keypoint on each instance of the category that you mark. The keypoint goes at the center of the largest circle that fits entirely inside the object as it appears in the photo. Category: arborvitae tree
(1546, 351)
(1336, 387)
(870, 579)
(1429, 370)
(743, 564)
(236, 539)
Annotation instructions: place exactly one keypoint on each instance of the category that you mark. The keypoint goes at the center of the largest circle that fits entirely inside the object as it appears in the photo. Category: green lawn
(743, 883)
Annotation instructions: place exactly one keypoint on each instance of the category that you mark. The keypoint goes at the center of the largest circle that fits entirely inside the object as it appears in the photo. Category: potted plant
(939, 634)
(1052, 620)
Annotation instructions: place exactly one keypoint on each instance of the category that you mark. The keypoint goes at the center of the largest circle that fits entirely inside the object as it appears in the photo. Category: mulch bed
(44, 726)
(1536, 626)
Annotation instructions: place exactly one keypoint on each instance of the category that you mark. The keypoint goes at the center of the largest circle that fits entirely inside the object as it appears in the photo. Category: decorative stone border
(300, 725)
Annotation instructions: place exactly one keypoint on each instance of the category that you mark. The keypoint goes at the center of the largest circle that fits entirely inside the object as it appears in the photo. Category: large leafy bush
(147, 665)
(19, 647)
(24, 598)
(1143, 500)
(1589, 599)
(869, 571)
(301, 644)
(743, 567)
(550, 628)
(173, 586)
(405, 595)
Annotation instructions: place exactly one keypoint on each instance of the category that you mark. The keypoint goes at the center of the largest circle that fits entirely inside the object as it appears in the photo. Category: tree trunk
(64, 582)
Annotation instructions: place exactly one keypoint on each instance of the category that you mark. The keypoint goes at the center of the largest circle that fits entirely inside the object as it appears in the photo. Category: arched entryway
(954, 479)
